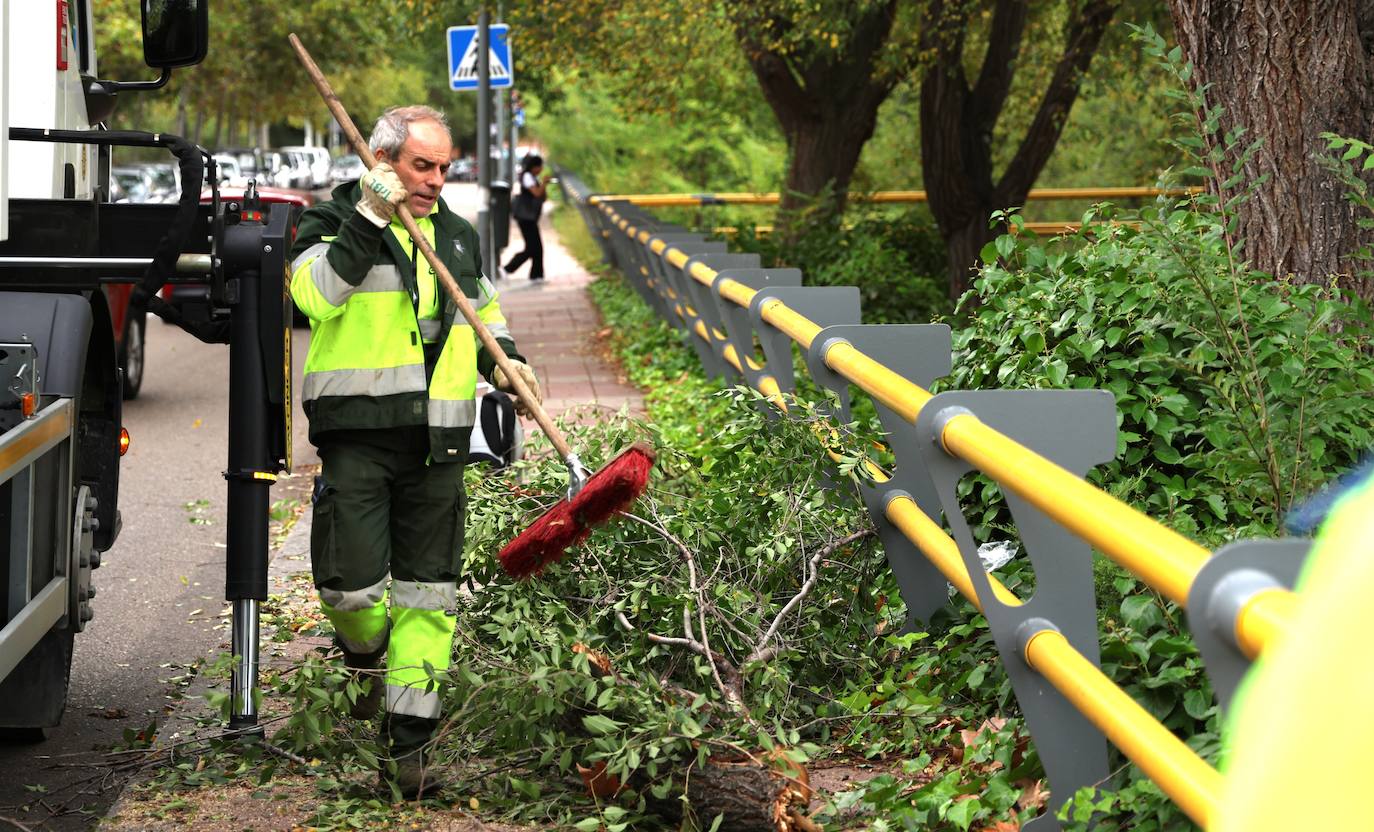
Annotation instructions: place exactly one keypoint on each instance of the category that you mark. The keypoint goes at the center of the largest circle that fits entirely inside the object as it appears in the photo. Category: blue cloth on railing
(1304, 518)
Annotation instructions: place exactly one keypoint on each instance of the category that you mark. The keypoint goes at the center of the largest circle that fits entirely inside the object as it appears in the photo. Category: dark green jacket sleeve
(353, 241)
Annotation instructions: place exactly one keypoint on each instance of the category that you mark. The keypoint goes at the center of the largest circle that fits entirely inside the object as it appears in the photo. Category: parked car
(131, 184)
(463, 170)
(251, 163)
(128, 335)
(183, 293)
(346, 168)
(317, 159)
(229, 172)
(165, 181)
(295, 169)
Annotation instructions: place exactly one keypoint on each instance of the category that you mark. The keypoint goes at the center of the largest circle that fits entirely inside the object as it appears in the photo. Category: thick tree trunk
(747, 797)
(764, 793)
(957, 120)
(1285, 73)
(826, 104)
(823, 153)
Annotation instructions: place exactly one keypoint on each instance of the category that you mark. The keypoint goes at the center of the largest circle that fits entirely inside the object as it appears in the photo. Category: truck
(63, 244)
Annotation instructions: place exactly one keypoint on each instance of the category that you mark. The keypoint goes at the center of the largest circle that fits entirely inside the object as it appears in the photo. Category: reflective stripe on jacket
(366, 364)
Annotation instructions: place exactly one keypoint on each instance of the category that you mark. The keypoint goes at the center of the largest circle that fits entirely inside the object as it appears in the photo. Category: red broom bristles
(609, 491)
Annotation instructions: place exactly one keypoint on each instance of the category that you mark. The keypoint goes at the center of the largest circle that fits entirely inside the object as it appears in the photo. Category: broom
(592, 498)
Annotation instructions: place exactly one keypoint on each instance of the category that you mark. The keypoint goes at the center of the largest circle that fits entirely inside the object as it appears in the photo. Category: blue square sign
(462, 57)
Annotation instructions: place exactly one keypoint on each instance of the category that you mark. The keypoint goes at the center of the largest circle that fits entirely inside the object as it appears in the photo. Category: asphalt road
(160, 588)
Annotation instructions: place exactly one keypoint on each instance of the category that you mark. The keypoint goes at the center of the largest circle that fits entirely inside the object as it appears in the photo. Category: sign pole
(510, 137)
(484, 140)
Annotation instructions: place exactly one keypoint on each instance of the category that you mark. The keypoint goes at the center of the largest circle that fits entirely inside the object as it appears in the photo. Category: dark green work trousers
(388, 522)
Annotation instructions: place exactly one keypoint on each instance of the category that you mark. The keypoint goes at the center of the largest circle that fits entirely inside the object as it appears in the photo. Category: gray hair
(393, 128)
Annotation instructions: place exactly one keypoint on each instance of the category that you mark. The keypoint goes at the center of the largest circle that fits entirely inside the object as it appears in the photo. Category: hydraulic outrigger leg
(258, 351)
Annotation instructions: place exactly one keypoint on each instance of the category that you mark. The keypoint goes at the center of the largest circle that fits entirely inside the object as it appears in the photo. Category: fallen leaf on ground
(597, 781)
(1033, 795)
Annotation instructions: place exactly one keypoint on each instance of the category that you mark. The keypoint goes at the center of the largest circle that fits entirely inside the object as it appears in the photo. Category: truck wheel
(131, 356)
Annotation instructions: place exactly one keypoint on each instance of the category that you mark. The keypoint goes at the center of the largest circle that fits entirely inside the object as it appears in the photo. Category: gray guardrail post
(1076, 429)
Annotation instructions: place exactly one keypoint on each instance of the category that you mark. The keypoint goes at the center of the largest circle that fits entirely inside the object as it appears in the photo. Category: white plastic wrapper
(995, 553)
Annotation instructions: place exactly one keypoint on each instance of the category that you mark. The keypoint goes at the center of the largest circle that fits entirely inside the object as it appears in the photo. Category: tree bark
(957, 120)
(747, 796)
(181, 110)
(1285, 73)
(826, 103)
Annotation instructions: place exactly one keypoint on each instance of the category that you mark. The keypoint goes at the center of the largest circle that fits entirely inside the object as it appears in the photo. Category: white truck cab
(62, 244)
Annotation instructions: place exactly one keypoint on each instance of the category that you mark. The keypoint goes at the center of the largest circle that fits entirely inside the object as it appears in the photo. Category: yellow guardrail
(877, 197)
(1050, 227)
(1162, 558)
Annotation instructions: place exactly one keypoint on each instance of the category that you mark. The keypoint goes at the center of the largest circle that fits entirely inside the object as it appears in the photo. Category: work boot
(414, 777)
(365, 669)
(406, 762)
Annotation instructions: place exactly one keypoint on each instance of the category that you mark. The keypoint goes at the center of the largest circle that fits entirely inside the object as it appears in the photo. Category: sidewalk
(554, 324)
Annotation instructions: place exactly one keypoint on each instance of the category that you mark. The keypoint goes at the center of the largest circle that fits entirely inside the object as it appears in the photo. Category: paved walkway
(555, 325)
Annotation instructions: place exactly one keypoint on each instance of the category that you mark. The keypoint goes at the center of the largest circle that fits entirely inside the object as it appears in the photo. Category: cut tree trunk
(1285, 73)
(748, 797)
(764, 793)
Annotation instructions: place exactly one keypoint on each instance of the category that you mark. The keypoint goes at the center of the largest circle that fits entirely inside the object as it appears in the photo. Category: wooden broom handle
(450, 285)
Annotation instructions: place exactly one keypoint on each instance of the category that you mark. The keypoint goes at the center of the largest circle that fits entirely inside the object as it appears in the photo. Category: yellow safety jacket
(367, 366)
(1301, 732)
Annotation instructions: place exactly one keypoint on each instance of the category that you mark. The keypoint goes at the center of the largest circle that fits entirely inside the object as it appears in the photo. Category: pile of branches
(675, 664)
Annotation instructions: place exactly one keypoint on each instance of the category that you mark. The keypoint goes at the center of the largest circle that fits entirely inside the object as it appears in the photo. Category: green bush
(896, 259)
(1237, 393)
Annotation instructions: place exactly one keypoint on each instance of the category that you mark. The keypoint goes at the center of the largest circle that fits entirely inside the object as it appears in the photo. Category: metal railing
(875, 197)
(1052, 227)
(1036, 444)
(28, 614)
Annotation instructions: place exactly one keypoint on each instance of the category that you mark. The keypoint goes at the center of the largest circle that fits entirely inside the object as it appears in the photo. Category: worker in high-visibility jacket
(1300, 734)
(389, 391)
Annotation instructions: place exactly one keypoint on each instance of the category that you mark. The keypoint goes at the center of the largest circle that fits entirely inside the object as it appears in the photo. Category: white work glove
(382, 192)
(498, 377)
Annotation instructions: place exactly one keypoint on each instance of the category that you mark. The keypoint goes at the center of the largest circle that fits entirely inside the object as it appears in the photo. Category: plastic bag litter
(995, 553)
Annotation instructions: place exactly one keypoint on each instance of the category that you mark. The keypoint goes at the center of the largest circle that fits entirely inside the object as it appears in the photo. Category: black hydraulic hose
(145, 296)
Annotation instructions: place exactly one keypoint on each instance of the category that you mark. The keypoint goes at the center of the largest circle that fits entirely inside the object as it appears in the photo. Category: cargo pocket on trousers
(323, 561)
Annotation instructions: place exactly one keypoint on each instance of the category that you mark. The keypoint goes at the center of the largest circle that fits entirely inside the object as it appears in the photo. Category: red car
(129, 332)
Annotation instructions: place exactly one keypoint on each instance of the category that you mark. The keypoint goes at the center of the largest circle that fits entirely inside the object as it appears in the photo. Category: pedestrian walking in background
(527, 208)
(389, 391)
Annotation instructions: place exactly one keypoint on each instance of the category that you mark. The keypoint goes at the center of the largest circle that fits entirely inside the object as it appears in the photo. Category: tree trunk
(219, 123)
(1285, 73)
(181, 110)
(747, 797)
(822, 155)
(826, 104)
(957, 120)
(199, 127)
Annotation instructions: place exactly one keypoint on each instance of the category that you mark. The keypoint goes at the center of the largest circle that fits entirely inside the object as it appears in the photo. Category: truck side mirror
(175, 32)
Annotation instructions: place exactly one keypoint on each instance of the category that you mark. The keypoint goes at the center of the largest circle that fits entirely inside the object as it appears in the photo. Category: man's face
(421, 164)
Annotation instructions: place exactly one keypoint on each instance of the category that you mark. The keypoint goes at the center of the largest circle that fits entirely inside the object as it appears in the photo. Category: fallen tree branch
(732, 692)
(759, 651)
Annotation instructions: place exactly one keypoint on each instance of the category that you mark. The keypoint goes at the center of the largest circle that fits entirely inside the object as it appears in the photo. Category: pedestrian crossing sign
(462, 57)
